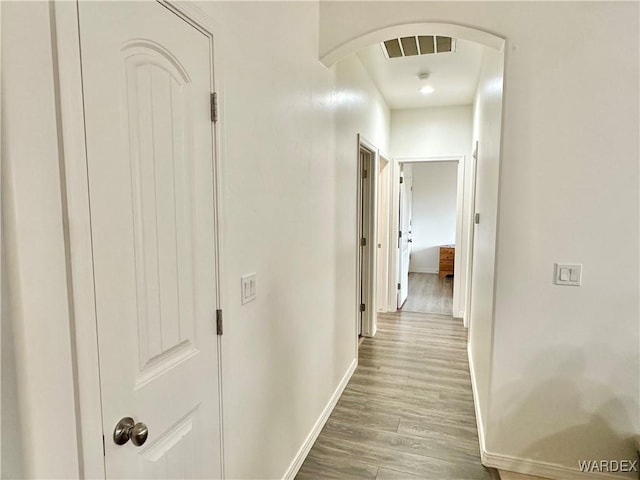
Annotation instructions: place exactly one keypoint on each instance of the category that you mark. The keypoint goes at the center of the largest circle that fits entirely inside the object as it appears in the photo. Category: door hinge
(214, 107)
(364, 174)
(104, 447)
(401, 180)
(363, 242)
(219, 322)
(399, 287)
(362, 307)
(476, 218)
(399, 233)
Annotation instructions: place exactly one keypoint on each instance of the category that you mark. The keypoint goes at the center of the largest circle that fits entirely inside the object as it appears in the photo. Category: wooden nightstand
(447, 256)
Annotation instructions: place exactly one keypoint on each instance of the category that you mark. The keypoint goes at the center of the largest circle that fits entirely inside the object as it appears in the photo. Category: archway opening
(468, 129)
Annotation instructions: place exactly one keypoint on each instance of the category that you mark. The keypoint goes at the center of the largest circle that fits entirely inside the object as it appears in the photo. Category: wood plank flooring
(429, 293)
(407, 412)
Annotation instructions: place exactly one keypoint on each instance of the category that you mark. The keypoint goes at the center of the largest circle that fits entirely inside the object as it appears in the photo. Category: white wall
(289, 175)
(289, 214)
(37, 363)
(486, 131)
(431, 132)
(568, 191)
(433, 221)
(11, 430)
(360, 109)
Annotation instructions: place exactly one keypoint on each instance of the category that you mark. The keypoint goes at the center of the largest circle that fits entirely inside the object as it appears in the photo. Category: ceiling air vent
(420, 45)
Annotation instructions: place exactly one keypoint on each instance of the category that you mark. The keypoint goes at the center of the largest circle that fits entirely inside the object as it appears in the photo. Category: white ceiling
(453, 76)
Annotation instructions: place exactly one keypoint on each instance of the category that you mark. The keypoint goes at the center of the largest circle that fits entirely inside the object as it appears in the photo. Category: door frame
(402, 199)
(470, 203)
(461, 258)
(370, 209)
(2, 249)
(383, 244)
(77, 223)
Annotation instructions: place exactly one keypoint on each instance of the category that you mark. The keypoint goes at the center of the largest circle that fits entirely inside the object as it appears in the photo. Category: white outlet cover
(248, 288)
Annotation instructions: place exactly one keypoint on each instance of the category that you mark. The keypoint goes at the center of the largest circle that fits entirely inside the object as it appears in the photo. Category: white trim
(198, 18)
(410, 29)
(539, 469)
(372, 317)
(425, 270)
(383, 246)
(362, 141)
(459, 290)
(1, 249)
(455, 158)
(300, 457)
(476, 405)
(79, 249)
(369, 325)
(79, 246)
(470, 202)
(193, 14)
(461, 245)
(392, 300)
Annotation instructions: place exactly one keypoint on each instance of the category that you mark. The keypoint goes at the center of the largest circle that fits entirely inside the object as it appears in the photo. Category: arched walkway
(411, 29)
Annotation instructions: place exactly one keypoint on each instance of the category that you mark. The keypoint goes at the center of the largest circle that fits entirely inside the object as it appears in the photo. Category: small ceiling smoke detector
(425, 89)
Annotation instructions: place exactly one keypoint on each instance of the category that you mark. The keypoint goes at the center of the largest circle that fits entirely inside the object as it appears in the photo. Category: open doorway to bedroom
(430, 217)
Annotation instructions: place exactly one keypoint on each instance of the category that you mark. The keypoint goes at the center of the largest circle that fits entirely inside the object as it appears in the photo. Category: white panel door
(147, 83)
(404, 243)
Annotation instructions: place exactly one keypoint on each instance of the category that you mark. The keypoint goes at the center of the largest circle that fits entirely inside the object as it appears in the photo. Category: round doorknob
(127, 429)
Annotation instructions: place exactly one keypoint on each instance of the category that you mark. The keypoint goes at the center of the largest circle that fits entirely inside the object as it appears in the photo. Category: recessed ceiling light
(427, 89)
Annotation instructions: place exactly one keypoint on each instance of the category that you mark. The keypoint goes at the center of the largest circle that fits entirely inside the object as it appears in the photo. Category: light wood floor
(429, 293)
(407, 412)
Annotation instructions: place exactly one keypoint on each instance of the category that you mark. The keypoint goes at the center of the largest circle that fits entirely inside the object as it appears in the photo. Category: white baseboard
(538, 468)
(297, 462)
(459, 314)
(523, 465)
(424, 270)
(476, 404)
(507, 475)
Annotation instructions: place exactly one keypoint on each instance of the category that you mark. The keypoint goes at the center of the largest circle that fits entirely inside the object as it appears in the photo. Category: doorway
(158, 353)
(430, 204)
(146, 271)
(366, 240)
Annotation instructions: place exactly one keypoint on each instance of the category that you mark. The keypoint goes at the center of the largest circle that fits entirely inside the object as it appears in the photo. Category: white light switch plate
(248, 285)
(565, 274)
